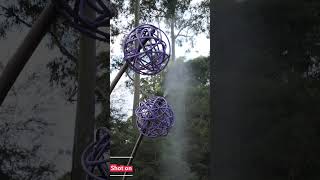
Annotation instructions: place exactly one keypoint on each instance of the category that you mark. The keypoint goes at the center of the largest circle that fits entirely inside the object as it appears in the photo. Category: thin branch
(75, 90)
(97, 90)
(101, 93)
(186, 25)
(14, 15)
(129, 76)
(183, 35)
(62, 48)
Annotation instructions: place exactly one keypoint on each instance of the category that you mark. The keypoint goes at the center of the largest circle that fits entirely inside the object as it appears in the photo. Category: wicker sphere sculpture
(154, 117)
(74, 12)
(94, 158)
(147, 49)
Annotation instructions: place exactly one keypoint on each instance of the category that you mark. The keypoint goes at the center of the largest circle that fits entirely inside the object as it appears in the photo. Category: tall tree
(184, 18)
(136, 97)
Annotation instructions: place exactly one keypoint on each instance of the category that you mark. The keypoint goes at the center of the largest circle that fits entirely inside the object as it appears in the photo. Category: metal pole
(133, 153)
(25, 50)
(118, 76)
(125, 67)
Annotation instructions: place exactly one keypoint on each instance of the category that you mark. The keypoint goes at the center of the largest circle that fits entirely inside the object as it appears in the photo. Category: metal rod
(118, 76)
(25, 50)
(126, 65)
(133, 153)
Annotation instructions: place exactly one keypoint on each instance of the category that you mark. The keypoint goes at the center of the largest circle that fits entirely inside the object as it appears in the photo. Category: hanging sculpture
(95, 157)
(73, 12)
(147, 50)
(154, 117)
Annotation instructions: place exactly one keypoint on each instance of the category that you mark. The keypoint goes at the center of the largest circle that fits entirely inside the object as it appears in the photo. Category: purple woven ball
(95, 157)
(147, 50)
(154, 117)
(73, 11)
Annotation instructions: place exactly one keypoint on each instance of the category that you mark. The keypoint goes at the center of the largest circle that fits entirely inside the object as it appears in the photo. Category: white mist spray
(174, 160)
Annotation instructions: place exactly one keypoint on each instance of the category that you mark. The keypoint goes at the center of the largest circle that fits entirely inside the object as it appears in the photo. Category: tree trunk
(173, 39)
(84, 125)
(136, 96)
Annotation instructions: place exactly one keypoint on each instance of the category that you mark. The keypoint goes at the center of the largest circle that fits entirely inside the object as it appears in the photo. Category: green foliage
(152, 85)
(198, 117)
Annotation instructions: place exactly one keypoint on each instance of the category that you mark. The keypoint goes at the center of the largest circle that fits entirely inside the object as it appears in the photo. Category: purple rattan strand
(150, 56)
(73, 11)
(93, 160)
(154, 117)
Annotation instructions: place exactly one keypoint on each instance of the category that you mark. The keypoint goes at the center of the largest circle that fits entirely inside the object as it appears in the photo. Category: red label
(120, 168)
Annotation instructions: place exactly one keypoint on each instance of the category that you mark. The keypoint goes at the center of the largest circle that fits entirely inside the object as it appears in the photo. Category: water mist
(173, 158)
